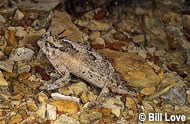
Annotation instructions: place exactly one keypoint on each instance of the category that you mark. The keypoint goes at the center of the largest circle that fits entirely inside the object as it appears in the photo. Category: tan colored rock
(15, 119)
(78, 88)
(31, 37)
(147, 105)
(93, 25)
(140, 11)
(98, 43)
(148, 90)
(18, 15)
(133, 68)
(105, 111)
(89, 117)
(91, 97)
(2, 122)
(11, 39)
(84, 98)
(98, 26)
(57, 26)
(31, 84)
(24, 76)
(41, 112)
(23, 68)
(63, 119)
(65, 106)
(139, 38)
(112, 102)
(94, 35)
(186, 21)
(42, 97)
(65, 90)
(58, 96)
(3, 82)
(188, 99)
(116, 112)
(7, 65)
(31, 105)
(168, 107)
(51, 112)
(20, 33)
(40, 6)
(2, 19)
(131, 104)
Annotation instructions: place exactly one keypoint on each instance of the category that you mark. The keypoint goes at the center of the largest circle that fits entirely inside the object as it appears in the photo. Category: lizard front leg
(61, 82)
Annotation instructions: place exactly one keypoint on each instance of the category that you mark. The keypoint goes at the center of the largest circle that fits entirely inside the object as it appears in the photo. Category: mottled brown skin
(75, 58)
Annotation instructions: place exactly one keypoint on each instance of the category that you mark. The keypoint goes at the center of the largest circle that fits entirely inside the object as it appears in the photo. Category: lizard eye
(46, 43)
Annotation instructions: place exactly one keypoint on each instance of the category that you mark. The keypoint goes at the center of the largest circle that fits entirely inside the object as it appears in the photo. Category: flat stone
(42, 97)
(65, 106)
(133, 68)
(78, 88)
(31, 37)
(58, 26)
(18, 15)
(58, 96)
(51, 112)
(148, 90)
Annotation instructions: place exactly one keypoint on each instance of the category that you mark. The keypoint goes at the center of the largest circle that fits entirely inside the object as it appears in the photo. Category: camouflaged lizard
(69, 57)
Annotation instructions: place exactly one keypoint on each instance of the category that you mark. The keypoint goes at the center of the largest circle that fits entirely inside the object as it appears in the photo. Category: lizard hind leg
(101, 97)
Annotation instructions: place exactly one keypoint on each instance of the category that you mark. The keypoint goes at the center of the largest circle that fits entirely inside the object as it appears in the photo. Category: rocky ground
(148, 42)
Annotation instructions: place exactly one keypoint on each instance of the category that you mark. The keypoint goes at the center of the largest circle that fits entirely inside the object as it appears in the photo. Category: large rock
(62, 21)
(134, 69)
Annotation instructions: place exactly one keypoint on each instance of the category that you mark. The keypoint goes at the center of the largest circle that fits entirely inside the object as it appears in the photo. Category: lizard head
(52, 46)
(48, 44)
